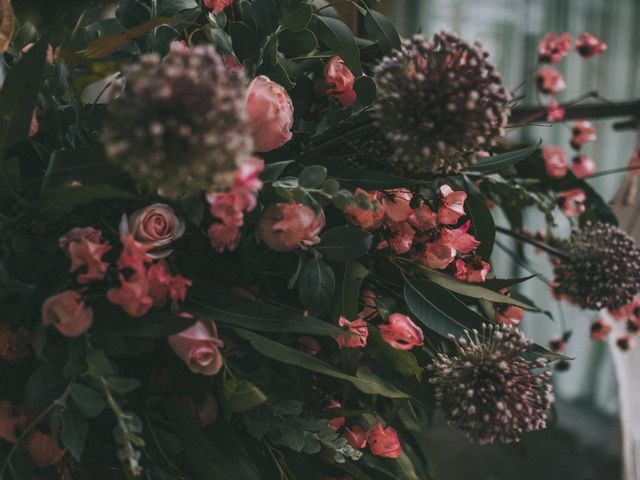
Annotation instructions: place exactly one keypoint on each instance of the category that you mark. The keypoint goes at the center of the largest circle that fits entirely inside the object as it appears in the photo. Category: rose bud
(68, 313)
(269, 112)
(356, 437)
(155, 226)
(44, 449)
(555, 161)
(287, 226)
(199, 347)
(339, 81)
(401, 333)
(383, 442)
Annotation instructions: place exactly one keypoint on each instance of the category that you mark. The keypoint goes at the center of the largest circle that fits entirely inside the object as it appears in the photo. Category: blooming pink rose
(217, 6)
(383, 442)
(335, 423)
(583, 166)
(77, 235)
(438, 255)
(552, 47)
(550, 81)
(396, 204)
(9, 420)
(588, 46)
(555, 161)
(356, 436)
(44, 449)
(339, 81)
(199, 347)
(87, 253)
(474, 271)
(600, 330)
(14, 346)
(134, 255)
(555, 112)
(582, 132)
(366, 219)
(572, 202)
(458, 238)
(358, 328)
(224, 236)
(132, 295)
(452, 207)
(67, 312)
(424, 218)
(155, 226)
(269, 114)
(287, 226)
(370, 307)
(401, 333)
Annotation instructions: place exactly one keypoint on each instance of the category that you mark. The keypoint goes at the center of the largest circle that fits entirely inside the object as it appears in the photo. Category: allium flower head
(439, 99)
(601, 269)
(180, 125)
(488, 390)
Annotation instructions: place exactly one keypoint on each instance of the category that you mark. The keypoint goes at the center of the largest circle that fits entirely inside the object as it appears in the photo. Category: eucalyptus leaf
(349, 280)
(246, 45)
(316, 285)
(44, 386)
(89, 402)
(242, 396)
(341, 244)
(296, 16)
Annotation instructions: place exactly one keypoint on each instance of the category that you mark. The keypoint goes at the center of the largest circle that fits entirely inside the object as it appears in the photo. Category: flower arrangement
(263, 249)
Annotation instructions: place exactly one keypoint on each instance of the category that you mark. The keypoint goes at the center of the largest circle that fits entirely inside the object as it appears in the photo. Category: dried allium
(439, 99)
(601, 268)
(488, 390)
(179, 125)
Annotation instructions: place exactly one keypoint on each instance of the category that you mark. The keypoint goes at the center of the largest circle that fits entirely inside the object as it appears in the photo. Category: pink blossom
(199, 347)
(555, 112)
(383, 442)
(44, 449)
(227, 207)
(67, 312)
(367, 219)
(572, 202)
(555, 161)
(132, 295)
(550, 81)
(396, 204)
(356, 436)
(583, 166)
(269, 114)
(163, 285)
(474, 271)
(588, 46)
(600, 330)
(359, 330)
(9, 420)
(508, 314)
(458, 238)
(14, 346)
(224, 236)
(552, 47)
(452, 207)
(438, 255)
(370, 307)
(247, 183)
(134, 255)
(339, 81)
(335, 423)
(217, 6)
(77, 235)
(424, 218)
(582, 132)
(287, 226)
(401, 333)
(401, 238)
(155, 226)
(87, 253)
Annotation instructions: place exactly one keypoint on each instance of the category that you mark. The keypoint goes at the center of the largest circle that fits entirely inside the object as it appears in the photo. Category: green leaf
(341, 244)
(483, 225)
(193, 207)
(242, 396)
(273, 171)
(85, 165)
(246, 45)
(296, 16)
(278, 74)
(312, 176)
(282, 432)
(123, 385)
(89, 402)
(337, 36)
(365, 382)
(316, 285)
(401, 361)
(297, 44)
(366, 91)
(265, 16)
(221, 41)
(499, 283)
(257, 422)
(74, 431)
(99, 364)
(44, 386)
(381, 30)
(56, 202)
(498, 162)
(351, 177)
(350, 277)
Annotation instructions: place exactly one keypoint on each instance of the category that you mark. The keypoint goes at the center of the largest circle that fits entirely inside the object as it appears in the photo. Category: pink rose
(552, 47)
(555, 161)
(383, 442)
(132, 295)
(68, 313)
(550, 81)
(199, 347)
(367, 219)
(356, 437)
(401, 333)
(583, 166)
(269, 114)
(452, 207)
(339, 81)
(217, 6)
(582, 132)
(335, 423)
(359, 330)
(588, 46)
(397, 205)
(44, 449)
(287, 226)
(474, 271)
(14, 346)
(155, 226)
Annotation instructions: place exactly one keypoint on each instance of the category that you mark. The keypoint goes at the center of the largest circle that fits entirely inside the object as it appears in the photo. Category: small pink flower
(44, 449)
(155, 226)
(9, 420)
(247, 183)
(424, 218)
(555, 112)
(452, 207)
(356, 436)
(77, 235)
(583, 166)
(269, 114)
(199, 347)
(370, 307)
(474, 271)
(359, 330)
(88, 254)
(397, 205)
(14, 346)
(572, 202)
(383, 442)
(401, 333)
(401, 238)
(555, 161)
(508, 314)
(588, 46)
(335, 423)
(438, 255)
(458, 238)
(132, 295)
(552, 47)
(366, 219)
(134, 255)
(582, 132)
(217, 6)
(287, 226)
(227, 207)
(600, 330)
(224, 236)
(68, 313)
(339, 81)
(550, 81)
(163, 285)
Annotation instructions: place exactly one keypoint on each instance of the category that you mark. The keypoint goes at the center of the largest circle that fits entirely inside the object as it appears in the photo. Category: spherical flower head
(180, 123)
(437, 100)
(488, 389)
(601, 268)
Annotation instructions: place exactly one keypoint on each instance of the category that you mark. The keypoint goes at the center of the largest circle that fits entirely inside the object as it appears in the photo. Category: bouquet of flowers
(260, 248)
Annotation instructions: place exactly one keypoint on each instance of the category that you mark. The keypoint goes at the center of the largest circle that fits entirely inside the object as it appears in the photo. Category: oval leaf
(341, 244)
(316, 285)
(337, 36)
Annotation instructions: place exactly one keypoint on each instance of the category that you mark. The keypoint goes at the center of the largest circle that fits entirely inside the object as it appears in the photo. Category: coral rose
(199, 347)
(383, 442)
(155, 226)
(269, 114)
(68, 313)
(339, 81)
(287, 226)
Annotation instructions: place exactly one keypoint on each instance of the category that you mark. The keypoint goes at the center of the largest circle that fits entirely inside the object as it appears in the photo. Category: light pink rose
(550, 81)
(401, 333)
(199, 347)
(583, 166)
(339, 81)
(217, 6)
(383, 442)
(588, 46)
(359, 330)
(44, 449)
(356, 437)
(14, 346)
(452, 207)
(552, 47)
(269, 113)
(287, 226)
(367, 219)
(155, 226)
(397, 205)
(67, 312)
(555, 161)
(132, 295)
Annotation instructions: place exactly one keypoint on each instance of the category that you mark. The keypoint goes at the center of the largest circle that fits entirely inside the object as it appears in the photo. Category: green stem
(532, 241)
(611, 171)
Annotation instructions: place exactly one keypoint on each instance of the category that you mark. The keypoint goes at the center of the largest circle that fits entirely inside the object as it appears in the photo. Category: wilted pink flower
(555, 161)
(383, 442)
(588, 46)
(583, 166)
(600, 330)
(9, 420)
(339, 81)
(44, 449)
(199, 347)
(401, 333)
(367, 219)
(424, 218)
(550, 81)
(67, 312)
(582, 132)
(473, 272)
(217, 6)
(14, 346)
(269, 114)
(552, 47)
(396, 204)
(155, 226)
(452, 207)
(458, 238)
(508, 314)
(438, 255)
(132, 295)
(401, 238)
(555, 112)
(335, 423)
(224, 236)
(88, 253)
(359, 330)
(287, 226)
(572, 202)
(356, 436)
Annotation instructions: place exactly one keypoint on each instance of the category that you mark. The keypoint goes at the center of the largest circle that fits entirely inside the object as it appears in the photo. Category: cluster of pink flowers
(630, 315)
(399, 331)
(425, 228)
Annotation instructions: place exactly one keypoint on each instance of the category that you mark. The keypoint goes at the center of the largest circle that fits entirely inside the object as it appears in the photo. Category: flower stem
(532, 241)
